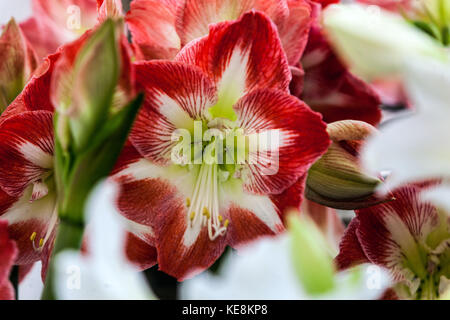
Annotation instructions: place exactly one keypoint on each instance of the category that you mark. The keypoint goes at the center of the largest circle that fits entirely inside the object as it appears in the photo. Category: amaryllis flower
(8, 252)
(57, 22)
(408, 236)
(233, 82)
(161, 28)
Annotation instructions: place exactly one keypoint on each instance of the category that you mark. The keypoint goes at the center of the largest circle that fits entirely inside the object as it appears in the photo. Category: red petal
(139, 252)
(195, 16)
(243, 55)
(26, 150)
(6, 201)
(179, 260)
(176, 94)
(8, 253)
(50, 26)
(291, 198)
(152, 26)
(7, 291)
(300, 140)
(331, 89)
(350, 251)
(245, 226)
(325, 3)
(294, 30)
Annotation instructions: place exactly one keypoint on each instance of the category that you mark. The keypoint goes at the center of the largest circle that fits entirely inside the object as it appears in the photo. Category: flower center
(435, 278)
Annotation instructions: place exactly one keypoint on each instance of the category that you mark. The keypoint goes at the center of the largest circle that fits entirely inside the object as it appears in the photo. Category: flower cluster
(245, 124)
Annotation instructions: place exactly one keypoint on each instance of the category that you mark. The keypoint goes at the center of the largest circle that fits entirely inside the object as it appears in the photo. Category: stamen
(206, 212)
(205, 201)
(188, 202)
(227, 222)
(40, 244)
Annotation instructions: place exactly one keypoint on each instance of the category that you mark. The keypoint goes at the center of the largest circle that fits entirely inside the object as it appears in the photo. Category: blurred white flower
(103, 273)
(282, 268)
(417, 147)
(377, 43)
(440, 197)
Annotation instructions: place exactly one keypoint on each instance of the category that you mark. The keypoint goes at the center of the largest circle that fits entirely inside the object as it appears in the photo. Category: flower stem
(69, 236)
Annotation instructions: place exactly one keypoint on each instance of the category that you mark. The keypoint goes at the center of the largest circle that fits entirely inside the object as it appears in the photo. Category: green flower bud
(336, 179)
(312, 261)
(17, 63)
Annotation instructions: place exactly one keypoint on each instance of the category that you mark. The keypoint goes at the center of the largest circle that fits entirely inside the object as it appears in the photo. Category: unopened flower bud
(337, 180)
(17, 63)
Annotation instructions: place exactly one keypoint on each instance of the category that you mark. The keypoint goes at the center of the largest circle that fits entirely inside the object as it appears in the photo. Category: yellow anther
(188, 202)
(206, 212)
(41, 242)
(227, 222)
(192, 215)
(33, 236)
(220, 218)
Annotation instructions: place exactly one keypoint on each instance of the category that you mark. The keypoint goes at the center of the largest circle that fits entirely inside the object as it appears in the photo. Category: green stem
(69, 236)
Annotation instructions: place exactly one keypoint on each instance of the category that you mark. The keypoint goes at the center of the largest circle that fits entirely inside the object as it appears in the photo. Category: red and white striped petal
(175, 96)
(152, 26)
(26, 150)
(294, 29)
(329, 87)
(250, 216)
(389, 233)
(285, 138)
(195, 16)
(8, 253)
(27, 218)
(240, 56)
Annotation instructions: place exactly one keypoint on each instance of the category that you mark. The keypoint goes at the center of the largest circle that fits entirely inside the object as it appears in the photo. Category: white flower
(104, 273)
(376, 43)
(265, 269)
(417, 147)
